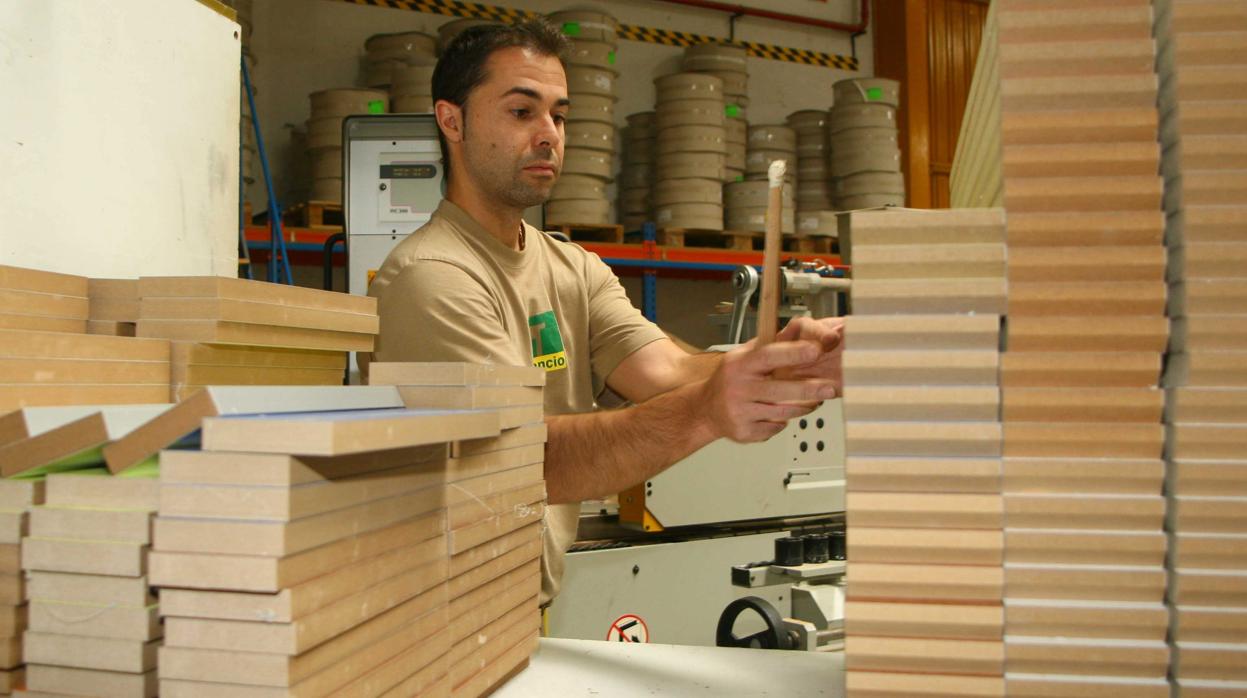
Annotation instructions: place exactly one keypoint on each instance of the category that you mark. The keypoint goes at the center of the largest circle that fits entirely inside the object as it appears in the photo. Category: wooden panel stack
(1084, 512)
(495, 499)
(1202, 60)
(16, 499)
(93, 626)
(240, 332)
(308, 554)
(42, 301)
(114, 306)
(60, 368)
(924, 612)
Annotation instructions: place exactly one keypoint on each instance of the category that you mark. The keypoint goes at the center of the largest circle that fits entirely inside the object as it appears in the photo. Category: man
(477, 284)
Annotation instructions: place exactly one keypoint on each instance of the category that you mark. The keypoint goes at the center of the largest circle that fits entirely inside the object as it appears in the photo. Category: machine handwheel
(773, 638)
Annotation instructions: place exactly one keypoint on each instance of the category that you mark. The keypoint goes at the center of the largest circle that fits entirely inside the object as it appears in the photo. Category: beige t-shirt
(453, 292)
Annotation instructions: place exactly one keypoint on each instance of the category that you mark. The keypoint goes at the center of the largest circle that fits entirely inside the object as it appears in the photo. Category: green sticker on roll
(740, 178)
(732, 110)
(610, 58)
(571, 28)
(376, 106)
(874, 93)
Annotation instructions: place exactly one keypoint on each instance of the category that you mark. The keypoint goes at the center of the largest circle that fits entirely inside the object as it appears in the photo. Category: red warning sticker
(628, 628)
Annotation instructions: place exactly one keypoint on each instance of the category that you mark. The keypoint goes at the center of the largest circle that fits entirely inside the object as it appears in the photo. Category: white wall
(307, 45)
(118, 137)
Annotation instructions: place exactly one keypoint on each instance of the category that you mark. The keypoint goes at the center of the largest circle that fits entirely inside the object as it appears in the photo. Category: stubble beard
(502, 180)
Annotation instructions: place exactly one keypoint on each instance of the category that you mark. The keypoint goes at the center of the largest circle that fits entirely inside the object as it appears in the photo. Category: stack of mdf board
(1084, 541)
(60, 368)
(1202, 57)
(244, 332)
(495, 505)
(93, 626)
(924, 608)
(16, 499)
(47, 439)
(306, 555)
(42, 301)
(114, 306)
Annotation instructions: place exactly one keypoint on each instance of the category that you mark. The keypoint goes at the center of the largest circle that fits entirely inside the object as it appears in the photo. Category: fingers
(826, 332)
(780, 391)
(766, 359)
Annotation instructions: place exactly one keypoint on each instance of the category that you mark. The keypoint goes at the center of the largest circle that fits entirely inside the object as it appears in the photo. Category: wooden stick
(768, 306)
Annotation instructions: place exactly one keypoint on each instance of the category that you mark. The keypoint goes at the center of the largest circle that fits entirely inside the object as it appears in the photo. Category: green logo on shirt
(547, 342)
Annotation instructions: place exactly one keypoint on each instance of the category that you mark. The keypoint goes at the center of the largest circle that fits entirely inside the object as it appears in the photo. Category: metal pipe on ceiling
(857, 28)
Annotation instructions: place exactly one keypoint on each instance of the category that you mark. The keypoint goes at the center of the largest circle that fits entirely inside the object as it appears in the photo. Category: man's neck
(503, 222)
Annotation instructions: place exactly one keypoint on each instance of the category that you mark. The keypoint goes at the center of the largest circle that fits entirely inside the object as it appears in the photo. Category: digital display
(408, 171)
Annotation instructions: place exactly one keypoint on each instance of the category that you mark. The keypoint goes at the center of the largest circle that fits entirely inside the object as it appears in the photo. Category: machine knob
(789, 551)
(774, 637)
(817, 548)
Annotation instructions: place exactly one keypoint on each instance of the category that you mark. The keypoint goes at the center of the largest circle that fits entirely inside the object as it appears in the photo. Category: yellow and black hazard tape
(632, 32)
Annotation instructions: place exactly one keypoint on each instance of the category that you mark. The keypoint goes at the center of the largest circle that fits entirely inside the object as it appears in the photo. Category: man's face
(513, 138)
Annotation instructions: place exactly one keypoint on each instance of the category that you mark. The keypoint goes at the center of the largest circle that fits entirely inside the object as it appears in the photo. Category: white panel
(120, 148)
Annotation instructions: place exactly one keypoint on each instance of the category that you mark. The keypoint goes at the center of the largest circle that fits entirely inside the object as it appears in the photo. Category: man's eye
(520, 113)
(560, 118)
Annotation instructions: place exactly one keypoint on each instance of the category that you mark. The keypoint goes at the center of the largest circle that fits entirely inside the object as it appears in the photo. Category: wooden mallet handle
(768, 306)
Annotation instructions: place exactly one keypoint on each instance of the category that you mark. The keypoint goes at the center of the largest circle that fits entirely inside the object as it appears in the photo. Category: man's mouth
(542, 167)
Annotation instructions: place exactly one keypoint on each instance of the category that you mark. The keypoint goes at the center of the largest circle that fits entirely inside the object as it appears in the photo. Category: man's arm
(601, 453)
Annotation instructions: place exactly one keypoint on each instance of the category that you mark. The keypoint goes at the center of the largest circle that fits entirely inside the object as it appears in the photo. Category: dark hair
(461, 67)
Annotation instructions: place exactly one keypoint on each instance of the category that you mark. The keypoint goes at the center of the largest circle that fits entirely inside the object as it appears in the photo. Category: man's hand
(745, 402)
(828, 333)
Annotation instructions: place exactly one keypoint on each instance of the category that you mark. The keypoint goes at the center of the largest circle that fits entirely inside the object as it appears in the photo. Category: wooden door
(929, 46)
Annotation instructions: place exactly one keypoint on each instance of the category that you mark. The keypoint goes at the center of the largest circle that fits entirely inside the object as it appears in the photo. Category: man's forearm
(594, 455)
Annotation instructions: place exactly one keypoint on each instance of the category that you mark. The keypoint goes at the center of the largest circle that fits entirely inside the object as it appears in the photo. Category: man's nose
(548, 136)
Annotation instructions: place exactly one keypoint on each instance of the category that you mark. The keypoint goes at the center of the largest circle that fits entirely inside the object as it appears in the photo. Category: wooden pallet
(717, 239)
(815, 245)
(322, 215)
(590, 232)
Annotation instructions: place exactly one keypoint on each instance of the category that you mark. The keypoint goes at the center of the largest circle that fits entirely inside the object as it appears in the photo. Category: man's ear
(450, 120)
